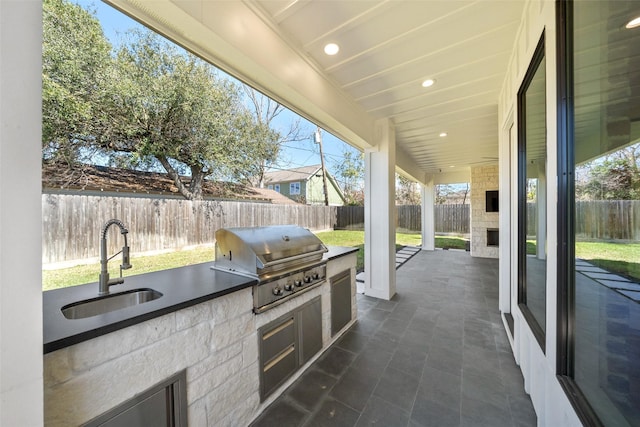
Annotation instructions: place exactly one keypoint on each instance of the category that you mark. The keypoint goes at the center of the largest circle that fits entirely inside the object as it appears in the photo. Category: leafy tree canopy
(147, 105)
(350, 172)
(75, 59)
(407, 191)
(614, 177)
(453, 194)
(168, 105)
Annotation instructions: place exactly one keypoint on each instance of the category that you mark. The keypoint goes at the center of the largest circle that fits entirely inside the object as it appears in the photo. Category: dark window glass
(532, 194)
(606, 149)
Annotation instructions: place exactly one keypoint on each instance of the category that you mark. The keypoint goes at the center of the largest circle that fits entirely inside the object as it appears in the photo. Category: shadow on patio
(436, 355)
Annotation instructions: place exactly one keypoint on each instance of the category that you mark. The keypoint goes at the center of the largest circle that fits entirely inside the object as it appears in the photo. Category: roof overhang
(387, 49)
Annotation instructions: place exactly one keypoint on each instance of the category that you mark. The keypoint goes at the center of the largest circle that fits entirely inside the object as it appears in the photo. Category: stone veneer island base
(216, 342)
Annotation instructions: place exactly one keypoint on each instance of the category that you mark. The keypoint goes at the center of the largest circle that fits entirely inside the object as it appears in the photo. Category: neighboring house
(304, 185)
(275, 196)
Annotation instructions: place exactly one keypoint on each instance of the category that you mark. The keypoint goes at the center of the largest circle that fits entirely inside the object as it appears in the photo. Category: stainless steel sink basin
(108, 303)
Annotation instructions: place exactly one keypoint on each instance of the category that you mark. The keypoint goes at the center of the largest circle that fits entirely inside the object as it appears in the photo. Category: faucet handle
(126, 263)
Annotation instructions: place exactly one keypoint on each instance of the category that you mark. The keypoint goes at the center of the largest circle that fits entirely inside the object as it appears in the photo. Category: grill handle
(292, 258)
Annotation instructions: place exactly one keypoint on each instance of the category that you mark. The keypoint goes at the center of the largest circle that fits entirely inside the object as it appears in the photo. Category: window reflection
(607, 209)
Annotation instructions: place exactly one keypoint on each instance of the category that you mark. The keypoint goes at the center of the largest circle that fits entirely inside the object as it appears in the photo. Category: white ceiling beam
(458, 177)
(407, 167)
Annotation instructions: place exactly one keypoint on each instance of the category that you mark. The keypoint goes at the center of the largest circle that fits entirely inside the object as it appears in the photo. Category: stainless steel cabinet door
(310, 329)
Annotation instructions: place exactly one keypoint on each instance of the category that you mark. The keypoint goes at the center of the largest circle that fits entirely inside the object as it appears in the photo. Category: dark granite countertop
(181, 288)
(338, 251)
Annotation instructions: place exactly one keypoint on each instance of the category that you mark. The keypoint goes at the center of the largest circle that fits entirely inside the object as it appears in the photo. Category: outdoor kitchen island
(198, 350)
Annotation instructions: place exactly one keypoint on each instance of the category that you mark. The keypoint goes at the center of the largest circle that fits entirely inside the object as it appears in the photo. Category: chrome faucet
(104, 281)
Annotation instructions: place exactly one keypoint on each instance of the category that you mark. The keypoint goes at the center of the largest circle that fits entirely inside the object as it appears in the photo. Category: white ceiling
(387, 48)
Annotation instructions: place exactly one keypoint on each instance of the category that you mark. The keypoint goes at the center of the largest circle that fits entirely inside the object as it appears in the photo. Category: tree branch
(173, 174)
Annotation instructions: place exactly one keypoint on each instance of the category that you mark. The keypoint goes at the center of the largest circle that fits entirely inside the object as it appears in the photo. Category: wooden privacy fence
(448, 218)
(72, 225)
(599, 219)
(452, 218)
(608, 219)
(409, 217)
(349, 218)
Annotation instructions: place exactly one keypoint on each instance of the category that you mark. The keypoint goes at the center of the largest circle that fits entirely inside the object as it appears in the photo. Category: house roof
(275, 197)
(288, 175)
(90, 178)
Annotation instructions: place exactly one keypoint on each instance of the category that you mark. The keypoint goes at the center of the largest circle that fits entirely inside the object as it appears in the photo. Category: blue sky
(303, 153)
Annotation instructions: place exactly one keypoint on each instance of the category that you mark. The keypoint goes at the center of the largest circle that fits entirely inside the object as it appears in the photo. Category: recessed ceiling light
(443, 134)
(635, 22)
(331, 49)
(428, 83)
(452, 166)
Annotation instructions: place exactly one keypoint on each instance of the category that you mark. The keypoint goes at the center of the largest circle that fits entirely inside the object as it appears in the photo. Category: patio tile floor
(437, 354)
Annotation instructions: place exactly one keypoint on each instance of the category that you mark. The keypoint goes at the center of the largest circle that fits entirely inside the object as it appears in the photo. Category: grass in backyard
(617, 257)
(349, 238)
(356, 239)
(53, 279)
(621, 258)
(451, 242)
(78, 275)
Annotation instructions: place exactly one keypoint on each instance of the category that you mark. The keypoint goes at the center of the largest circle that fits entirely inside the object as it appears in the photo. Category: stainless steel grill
(285, 259)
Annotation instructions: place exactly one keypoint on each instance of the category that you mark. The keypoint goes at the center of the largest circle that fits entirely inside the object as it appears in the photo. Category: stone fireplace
(484, 218)
(493, 237)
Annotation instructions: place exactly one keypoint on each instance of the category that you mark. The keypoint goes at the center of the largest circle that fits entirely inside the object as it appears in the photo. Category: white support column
(541, 197)
(21, 384)
(428, 193)
(379, 213)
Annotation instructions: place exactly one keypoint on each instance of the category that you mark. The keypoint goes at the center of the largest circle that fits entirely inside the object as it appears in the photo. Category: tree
(170, 106)
(614, 177)
(407, 192)
(451, 193)
(75, 62)
(267, 140)
(149, 105)
(350, 172)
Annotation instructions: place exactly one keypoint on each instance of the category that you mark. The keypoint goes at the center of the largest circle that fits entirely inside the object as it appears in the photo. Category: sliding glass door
(532, 200)
(600, 281)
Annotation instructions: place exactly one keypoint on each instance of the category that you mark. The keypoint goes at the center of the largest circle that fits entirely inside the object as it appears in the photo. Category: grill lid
(262, 250)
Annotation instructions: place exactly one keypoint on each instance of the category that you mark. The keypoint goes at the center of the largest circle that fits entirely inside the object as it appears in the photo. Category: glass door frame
(535, 327)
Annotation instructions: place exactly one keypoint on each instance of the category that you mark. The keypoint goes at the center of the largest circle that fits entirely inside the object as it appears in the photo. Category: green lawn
(356, 239)
(451, 242)
(622, 258)
(53, 279)
(617, 257)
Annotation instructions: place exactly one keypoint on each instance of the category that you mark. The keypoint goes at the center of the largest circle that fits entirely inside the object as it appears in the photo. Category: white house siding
(538, 368)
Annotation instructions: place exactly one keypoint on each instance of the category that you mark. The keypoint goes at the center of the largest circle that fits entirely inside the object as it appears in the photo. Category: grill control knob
(315, 276)
(288, 287)
(298, 283)
(307, 279)
(277, 291)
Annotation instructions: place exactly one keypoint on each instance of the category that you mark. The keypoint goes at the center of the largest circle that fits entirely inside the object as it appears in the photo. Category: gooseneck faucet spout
(104, 282)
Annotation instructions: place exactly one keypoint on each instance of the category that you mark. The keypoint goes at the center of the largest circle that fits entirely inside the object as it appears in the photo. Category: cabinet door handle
(279, 358)
(276, 330)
